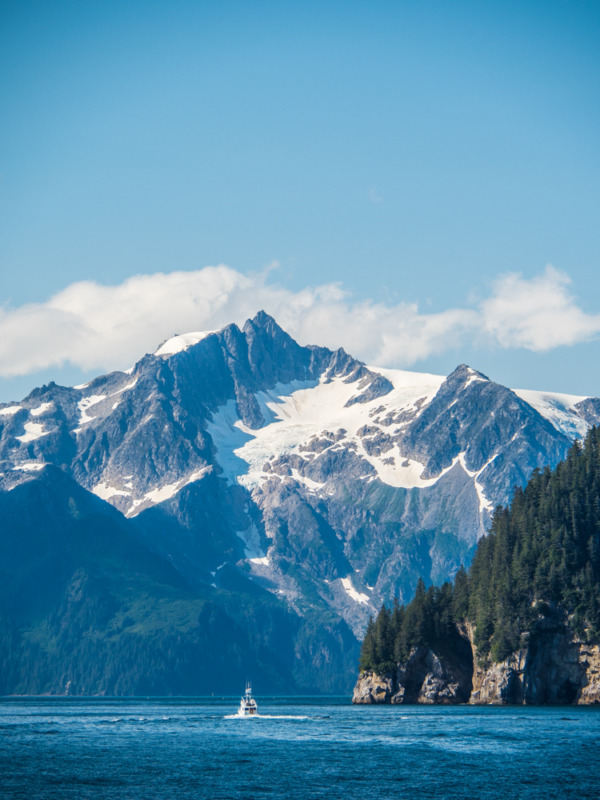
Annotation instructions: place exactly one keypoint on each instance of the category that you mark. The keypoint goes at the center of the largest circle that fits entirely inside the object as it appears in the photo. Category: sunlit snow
(36, 412)
(178, 343)
(161, 493)
(30, 466)
(312, 486)
(559, 409)
(298, 411)
(484, 503)
(33, 430)
(474, 378)
(264, 561)
(94, 399)
(358, 597)
(86, 403)
(105, 491)
(9, 410)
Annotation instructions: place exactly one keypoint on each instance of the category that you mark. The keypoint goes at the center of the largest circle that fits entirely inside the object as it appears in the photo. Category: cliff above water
(554, 667)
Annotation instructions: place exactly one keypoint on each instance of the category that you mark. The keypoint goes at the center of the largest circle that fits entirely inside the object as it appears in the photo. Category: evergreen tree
(368, 658)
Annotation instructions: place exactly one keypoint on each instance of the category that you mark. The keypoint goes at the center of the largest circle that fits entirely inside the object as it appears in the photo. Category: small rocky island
(522, 626)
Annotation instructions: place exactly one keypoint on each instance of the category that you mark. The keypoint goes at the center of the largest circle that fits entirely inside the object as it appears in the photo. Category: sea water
(145, 749)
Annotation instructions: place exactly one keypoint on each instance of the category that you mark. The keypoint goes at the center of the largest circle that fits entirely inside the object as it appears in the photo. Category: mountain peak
(263, 321)
(262, 318)
(465, 373)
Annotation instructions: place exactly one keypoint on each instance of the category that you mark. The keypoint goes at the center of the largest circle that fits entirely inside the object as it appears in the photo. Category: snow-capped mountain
(238, 455)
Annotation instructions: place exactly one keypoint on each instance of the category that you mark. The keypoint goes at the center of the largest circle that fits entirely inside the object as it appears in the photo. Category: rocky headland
(554, 667)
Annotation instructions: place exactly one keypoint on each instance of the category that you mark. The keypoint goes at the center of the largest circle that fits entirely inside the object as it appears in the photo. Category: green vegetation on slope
(87, 608)
(542, 555)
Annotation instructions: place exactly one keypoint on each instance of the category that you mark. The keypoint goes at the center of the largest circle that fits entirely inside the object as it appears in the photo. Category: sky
(417, 182)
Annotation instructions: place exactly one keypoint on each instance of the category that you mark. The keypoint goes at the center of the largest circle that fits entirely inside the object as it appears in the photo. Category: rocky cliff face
(424, 678)
(555, 667)
(373, 688)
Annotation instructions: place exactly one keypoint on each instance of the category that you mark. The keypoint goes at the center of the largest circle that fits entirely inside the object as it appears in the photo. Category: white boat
(248, 707)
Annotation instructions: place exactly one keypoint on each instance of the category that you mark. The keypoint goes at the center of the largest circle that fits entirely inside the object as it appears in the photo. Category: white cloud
(537, 314)
(110, 327)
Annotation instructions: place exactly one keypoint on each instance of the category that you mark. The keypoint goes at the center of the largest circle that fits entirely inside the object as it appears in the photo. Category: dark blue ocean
(298, 748)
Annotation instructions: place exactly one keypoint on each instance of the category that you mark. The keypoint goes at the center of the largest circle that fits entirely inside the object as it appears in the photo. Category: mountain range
(238, 505)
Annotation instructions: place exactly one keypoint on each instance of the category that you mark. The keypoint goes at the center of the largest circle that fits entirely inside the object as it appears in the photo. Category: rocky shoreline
(554, 667)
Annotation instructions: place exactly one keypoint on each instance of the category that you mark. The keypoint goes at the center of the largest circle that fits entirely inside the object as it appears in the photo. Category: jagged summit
(465, 373)
(261, 321)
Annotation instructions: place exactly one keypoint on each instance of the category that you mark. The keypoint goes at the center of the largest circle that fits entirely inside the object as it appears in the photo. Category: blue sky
(412, 168)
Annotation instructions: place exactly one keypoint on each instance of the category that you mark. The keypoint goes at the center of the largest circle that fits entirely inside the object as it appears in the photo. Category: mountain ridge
(244, 459)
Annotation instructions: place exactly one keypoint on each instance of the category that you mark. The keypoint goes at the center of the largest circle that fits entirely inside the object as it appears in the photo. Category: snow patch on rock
(92, 400)
(162, 493)
(485, 505)
(263, 561)
(9, 410)
(559, 409)
(30, 466)
(125, 388)
(37, 412)
(105, 491)
(252, 548)
(312, 486)
(299, 411)
(474, 377)
(85, 404)
(358, 597)
(181, 342)
(33, 431)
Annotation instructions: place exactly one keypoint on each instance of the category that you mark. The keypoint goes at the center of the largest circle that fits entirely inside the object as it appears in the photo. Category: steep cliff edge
(431, 676)
(554, 667)
(423, 678)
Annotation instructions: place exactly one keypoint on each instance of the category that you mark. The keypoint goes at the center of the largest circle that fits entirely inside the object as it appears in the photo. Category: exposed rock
(372, 386)
(499, 684)
(589, 658)
(553, 672)
(372, 688)
(427, 678)
(555, 667)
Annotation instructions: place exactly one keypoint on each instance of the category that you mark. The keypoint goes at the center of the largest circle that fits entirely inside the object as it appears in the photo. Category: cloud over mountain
(108, 327)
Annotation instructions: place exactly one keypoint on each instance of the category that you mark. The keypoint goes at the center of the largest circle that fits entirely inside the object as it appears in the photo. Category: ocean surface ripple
(145, 749)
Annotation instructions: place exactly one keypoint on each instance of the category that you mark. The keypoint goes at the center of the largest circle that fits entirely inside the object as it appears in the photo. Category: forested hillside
(542, 556)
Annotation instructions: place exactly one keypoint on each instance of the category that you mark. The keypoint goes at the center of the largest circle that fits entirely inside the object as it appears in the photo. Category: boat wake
(249, 710)
(264, 716)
